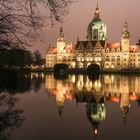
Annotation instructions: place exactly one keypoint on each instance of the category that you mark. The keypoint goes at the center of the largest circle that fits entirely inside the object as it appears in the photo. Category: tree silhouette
(37, 58)
(10, 117)
(20, 18)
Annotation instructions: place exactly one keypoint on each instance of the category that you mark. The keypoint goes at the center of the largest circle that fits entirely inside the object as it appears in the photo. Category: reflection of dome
(96, 113)
(96, 29)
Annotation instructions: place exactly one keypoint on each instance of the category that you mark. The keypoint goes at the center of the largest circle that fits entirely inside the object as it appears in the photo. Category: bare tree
(20, 18)
(10, 117)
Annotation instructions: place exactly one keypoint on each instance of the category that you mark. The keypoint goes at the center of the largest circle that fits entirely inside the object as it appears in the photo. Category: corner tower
(61, 41)
(125, 39)
(97, 29)
(125, 46)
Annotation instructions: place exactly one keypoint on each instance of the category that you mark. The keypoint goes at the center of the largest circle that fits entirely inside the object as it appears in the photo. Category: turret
(61, 41)
(125, 40)
(61, 35)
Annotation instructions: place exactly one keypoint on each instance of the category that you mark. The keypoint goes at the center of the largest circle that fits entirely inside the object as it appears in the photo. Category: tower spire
(61, 34)
(125, 33)
(97, 12)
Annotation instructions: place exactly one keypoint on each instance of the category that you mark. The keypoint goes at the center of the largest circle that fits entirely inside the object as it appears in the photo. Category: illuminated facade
(62, 53)
(96, 50)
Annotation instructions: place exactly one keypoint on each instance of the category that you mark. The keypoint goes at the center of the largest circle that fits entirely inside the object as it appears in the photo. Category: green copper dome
(97, 29)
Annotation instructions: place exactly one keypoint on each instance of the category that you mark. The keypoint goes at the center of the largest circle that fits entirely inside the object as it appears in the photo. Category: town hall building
(95, 49)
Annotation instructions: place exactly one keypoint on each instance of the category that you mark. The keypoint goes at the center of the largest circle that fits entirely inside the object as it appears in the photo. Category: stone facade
(96, 50)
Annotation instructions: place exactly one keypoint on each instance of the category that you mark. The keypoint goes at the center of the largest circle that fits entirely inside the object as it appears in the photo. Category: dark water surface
(39, 107)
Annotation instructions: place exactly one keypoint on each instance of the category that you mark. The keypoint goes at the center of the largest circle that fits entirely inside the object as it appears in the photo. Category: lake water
(40, 107)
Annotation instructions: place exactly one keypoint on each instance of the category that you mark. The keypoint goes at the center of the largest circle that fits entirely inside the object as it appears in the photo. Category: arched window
(89, 57)
(124, 59)
(95, 34)
(107, 65)
(107, 58)
(107, 50)
(118, 49)
(113, 58)
(80, 58)
(118, 58)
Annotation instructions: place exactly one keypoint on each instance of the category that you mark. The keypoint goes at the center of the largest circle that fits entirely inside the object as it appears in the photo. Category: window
(69, 58)
(107, 65)
(64, 57)
(80, 58)
(124, 59)
(89, 57)
(73, 58)
(107, 50)
(118, 58)
(95, 34)
(118, 50)
(113, 50)
(113, 58)
(107, 58)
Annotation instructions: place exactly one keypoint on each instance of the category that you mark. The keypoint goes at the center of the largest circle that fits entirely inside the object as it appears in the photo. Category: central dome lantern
(97, 29)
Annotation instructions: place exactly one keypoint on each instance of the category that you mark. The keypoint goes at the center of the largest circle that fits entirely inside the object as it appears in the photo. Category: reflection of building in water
(84, 84)
(62, 90)
(50, 83)
(120, 89)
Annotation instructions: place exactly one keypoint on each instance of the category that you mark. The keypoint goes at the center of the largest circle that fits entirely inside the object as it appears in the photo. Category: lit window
(64, 57)
(107, 50)
(118, 58)
(113, 58)
(107, 58)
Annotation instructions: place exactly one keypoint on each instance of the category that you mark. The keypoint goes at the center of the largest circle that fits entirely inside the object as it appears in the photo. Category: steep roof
(86, 43)
(113, 45)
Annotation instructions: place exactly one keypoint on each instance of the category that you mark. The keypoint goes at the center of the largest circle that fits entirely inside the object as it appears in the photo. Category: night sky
(113, 12)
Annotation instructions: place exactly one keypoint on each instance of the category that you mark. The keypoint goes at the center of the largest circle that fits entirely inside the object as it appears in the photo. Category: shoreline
(73, 71)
